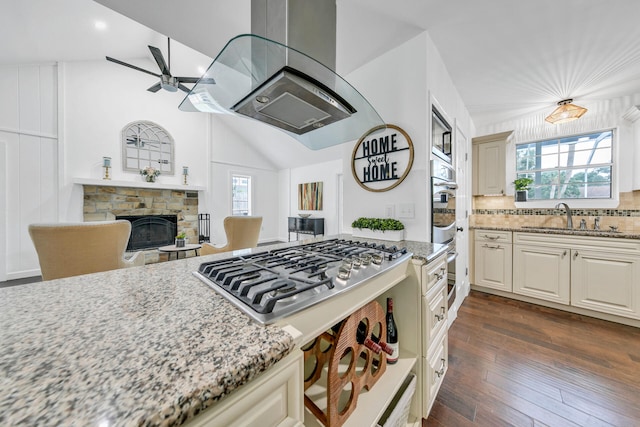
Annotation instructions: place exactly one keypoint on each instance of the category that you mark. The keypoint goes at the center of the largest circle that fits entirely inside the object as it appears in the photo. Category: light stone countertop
(563, 231)
(144, 346)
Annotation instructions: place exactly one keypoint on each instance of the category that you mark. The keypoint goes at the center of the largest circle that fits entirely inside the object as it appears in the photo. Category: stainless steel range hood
(273, 76)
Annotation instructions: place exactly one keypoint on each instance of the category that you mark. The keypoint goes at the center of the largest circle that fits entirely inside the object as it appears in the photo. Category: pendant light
(565, 112)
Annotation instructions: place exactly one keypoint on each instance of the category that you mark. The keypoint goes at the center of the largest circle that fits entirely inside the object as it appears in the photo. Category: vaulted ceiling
(506, 58)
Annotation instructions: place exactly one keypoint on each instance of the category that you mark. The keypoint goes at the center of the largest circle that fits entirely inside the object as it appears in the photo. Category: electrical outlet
(406, 210)
(389, 211)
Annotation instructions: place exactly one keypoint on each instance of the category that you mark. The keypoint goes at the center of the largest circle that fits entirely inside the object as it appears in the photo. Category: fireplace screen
(151, 231)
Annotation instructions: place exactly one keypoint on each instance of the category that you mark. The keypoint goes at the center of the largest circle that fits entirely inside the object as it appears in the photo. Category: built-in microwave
(441, 136)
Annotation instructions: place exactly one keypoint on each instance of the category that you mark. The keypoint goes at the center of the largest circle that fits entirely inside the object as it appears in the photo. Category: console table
(299, 225)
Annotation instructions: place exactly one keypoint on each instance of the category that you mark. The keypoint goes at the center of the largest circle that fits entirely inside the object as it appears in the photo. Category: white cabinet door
(435, 368)
(493, 264)
(542, 272)
(606, 281)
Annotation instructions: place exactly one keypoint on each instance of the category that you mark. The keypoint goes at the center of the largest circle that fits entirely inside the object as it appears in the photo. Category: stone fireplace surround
(104, 203)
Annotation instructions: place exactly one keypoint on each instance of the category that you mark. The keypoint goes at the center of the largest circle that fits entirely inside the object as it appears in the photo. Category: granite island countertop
(146, 346)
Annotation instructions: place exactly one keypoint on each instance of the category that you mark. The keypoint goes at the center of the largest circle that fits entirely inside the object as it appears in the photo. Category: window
(575, 167)
(241, 195)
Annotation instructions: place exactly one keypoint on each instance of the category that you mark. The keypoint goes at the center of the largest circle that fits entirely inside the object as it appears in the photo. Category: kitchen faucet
(566, 207)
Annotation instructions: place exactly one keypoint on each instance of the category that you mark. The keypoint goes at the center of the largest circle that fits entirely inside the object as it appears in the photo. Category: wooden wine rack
(335, 348)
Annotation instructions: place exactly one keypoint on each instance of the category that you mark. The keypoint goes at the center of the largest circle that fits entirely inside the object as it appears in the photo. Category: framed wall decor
(382, 158)
(310, 196)
(144, 144)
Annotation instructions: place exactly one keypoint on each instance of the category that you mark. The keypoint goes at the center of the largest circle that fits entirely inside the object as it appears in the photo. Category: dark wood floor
(518, 364)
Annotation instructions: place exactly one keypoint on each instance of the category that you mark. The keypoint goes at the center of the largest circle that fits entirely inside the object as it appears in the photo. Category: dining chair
(72, 249)
(242, 232)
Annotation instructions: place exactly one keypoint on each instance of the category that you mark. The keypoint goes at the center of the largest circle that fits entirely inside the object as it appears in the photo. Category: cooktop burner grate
(273, 284)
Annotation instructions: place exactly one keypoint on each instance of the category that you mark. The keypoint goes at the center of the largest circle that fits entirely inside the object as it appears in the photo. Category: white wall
(327, 173)
(396, 85)
(28, 161)
(231, 154)
(99, 98)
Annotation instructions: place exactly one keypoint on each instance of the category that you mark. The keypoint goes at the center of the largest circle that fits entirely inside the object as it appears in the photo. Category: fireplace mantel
(137, 184)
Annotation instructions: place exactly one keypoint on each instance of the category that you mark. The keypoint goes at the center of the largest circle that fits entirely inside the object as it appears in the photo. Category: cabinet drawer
(434, 315)
(273, 399)
(435, 367)
(493, 236)
(433, 273)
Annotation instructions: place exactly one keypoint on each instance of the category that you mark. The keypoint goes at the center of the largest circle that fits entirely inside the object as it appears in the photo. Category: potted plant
(181, 240)
(522, 185)
(378, 228)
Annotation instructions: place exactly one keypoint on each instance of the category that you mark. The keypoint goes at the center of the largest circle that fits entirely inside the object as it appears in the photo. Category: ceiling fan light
(565, 112)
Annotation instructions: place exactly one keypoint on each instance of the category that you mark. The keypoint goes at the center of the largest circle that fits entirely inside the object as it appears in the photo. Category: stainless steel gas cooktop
(271, 285)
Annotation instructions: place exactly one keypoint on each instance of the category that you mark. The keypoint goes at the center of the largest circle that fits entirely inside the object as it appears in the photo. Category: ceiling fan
(167, 81)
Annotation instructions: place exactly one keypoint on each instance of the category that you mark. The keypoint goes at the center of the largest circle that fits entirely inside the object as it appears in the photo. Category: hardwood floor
(518, 364)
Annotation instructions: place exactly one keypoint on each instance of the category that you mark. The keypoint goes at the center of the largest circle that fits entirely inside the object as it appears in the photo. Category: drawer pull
(486, 236)
(491, 247)
(440, 316)
(441, 371)
(440, 275)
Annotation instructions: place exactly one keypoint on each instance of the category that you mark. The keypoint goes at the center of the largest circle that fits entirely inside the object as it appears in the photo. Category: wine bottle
(392, 333)
(385, 347)
(361, 338)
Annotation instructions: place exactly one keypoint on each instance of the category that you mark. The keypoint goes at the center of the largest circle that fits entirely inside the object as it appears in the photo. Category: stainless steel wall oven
(443, 213)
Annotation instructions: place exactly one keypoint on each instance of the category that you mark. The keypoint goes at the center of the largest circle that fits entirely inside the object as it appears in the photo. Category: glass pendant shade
(565, 112)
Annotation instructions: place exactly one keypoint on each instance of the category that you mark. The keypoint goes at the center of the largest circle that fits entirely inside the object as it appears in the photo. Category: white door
(462, 216)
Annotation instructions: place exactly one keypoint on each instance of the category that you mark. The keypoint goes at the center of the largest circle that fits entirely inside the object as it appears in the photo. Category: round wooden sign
(382, 158)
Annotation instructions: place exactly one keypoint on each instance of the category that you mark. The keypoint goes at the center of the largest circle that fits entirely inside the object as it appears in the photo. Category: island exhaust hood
(275, 76)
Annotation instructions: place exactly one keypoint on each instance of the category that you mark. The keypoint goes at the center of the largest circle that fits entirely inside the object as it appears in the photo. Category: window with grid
(575, 167)
(241, 195)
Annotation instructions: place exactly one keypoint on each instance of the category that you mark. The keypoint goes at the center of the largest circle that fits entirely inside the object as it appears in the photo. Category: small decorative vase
(150, 178)
(180, 243)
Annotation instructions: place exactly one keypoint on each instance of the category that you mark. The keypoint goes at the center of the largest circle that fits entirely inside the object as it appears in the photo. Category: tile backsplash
(502, 212)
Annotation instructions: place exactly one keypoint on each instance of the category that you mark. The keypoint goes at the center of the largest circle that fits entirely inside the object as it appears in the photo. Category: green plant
(381, 224)
(522, 184)
(182, 235)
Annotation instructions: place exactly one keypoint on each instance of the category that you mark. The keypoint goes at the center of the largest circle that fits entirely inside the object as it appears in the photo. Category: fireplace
(151, 231)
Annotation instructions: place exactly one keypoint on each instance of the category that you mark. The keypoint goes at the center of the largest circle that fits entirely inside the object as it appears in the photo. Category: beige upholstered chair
(71, 249)
(242, 232)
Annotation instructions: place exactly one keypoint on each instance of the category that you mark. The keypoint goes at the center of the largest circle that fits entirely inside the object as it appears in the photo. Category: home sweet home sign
(382, 158)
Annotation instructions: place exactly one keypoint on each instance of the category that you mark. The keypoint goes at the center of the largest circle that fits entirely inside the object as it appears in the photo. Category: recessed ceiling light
(100, 25)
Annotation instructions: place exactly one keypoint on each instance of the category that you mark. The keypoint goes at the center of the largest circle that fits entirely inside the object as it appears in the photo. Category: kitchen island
(142, 346)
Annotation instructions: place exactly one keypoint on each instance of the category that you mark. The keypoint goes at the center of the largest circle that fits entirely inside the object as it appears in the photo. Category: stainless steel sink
(570, 230)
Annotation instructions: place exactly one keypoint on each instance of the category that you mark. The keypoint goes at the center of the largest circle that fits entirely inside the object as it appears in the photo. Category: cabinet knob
(575, 255)
(459, 228)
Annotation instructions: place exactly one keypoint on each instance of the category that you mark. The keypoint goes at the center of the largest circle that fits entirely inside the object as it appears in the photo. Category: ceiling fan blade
(207, 80)
(187, 79)
(183, 88)
(156, 87)
(157, 55)
(131, 66)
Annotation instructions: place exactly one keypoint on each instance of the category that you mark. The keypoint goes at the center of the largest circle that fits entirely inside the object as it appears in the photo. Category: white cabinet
(606, 281)
(489, 164)
(273, 399)
(493, 259)
(435, 331)
(596, 273)
(542, 272)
